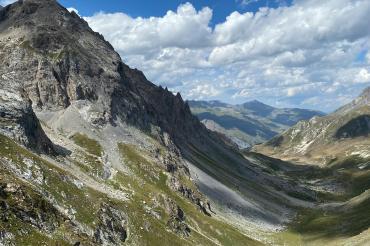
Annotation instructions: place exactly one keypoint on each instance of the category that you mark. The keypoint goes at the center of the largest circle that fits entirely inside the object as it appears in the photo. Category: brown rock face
(53, 58)
(19, 122)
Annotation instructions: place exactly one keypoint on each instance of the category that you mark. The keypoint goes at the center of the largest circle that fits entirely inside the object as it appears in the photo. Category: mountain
(329, 139)
(92, 153)
(102, 155)
(249, 123)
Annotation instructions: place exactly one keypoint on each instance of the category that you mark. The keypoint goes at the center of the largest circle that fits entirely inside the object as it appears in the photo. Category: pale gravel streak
(60, 125)
(223, 194)
(75, 119)
(69, 166)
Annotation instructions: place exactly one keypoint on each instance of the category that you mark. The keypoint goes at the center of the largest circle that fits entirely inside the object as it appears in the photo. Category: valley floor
(116, 186)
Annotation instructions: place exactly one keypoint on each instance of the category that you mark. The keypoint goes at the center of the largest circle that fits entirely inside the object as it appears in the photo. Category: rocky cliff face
(47, 65)
(18, 121)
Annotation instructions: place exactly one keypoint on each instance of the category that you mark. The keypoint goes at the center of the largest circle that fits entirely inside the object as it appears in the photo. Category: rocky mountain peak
(257, 106)
(53, 58)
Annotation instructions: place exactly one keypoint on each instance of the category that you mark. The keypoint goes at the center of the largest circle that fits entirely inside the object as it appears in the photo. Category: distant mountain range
(249, 123)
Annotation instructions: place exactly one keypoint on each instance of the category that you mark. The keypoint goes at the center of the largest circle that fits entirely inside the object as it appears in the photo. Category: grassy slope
(334, 225)
(89, 160)
(57, 184)
(91, 145)
(205, 230)
(147, 218)
(328, 226)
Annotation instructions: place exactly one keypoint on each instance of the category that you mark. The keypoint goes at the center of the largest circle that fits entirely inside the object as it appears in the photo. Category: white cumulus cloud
(186, 28)
(202, 91)
(363, 76)
(283, 56)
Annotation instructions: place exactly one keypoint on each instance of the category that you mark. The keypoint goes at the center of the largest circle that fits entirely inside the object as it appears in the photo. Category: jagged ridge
(54, 68)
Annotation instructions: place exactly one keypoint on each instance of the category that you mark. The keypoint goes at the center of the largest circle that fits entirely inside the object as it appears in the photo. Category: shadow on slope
(244, 187)
(357, 127)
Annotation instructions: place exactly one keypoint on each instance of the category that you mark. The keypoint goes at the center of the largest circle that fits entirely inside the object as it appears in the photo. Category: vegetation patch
(92, 146)
(90, 164)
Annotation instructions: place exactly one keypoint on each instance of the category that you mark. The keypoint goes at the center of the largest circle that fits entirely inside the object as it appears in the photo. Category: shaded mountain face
(357, 127)
(324, 139)
(249, 123)
(43, 63)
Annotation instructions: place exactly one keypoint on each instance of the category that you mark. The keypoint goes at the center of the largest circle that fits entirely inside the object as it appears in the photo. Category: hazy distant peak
(256, 105)
(254, 102)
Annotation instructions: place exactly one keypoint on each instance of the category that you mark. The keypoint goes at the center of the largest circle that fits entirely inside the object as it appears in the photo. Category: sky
(286, 53)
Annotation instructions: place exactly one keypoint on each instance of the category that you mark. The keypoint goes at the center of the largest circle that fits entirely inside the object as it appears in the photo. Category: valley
(93, 153)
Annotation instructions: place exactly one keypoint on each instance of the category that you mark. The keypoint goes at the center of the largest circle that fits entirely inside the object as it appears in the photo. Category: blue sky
(286, 53)
(147, 8)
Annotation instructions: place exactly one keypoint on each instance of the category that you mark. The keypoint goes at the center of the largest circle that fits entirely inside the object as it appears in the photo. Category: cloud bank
(303, 55)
